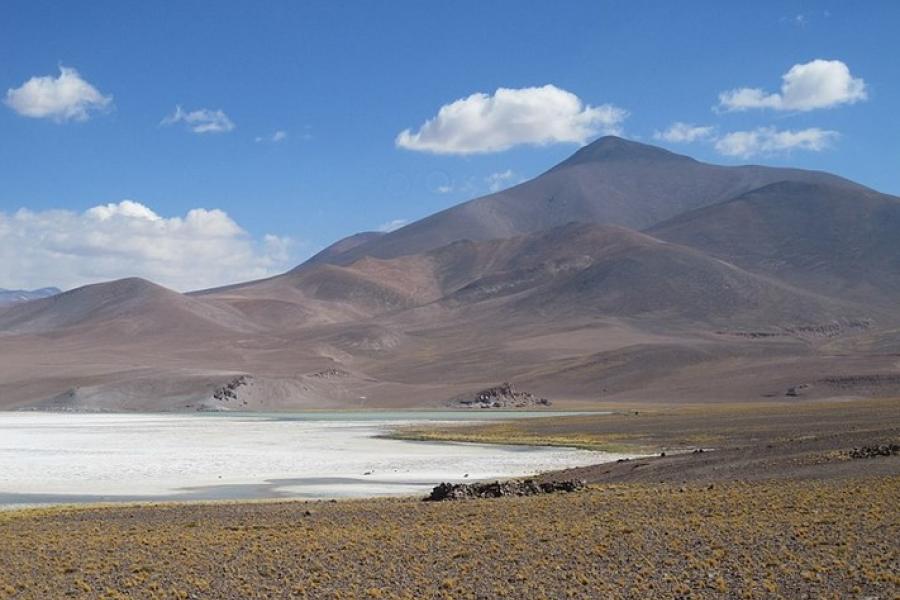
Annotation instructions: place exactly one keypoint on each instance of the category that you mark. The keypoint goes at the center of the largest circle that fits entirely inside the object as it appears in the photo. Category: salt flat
(53, 457)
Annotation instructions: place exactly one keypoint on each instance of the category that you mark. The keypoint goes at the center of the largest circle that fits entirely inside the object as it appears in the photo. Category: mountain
(585, 270)
(578, 269)
(132, 306)
(611, 181)
(13, 296)
(344, 246)
(830, 238)
(626, 273)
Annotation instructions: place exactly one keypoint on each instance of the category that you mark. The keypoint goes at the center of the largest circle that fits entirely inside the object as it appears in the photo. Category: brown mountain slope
(344, 245)
(577, 269)
(131, 306)
(603, 271)
(823, 237)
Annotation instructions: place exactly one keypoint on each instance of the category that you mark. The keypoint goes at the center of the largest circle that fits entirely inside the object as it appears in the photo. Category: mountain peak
(15, 296)
(613, 148)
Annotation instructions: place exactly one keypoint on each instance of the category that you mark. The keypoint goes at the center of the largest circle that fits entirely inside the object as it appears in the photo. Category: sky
(199, 144)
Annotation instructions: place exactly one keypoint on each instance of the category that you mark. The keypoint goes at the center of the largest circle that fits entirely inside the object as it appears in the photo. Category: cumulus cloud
(64, 98)
(769, 140)
(500, 180)
(204, 248)
(202, 120)
(816, 84)
(392, 225)
(680, 133)
(510, 117)
(278, 136)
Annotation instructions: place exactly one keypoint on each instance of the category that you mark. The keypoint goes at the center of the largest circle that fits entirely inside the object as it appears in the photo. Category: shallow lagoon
(54, 458)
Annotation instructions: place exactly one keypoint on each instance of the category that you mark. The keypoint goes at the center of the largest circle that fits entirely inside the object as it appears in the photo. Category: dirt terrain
(777, 539)
(711, 443)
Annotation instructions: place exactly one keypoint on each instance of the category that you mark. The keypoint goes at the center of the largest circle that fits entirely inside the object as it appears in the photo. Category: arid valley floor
(777, 506)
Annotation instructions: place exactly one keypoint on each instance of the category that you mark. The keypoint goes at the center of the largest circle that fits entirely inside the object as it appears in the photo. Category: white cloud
(278, 136)
(392, 225)
(802, 20)
(510, 117)
(816, 84)
(203, 248)
(768, 140)
(64, 98)
(497, 181)
(202, 120)
(679, 132)
(443, 189)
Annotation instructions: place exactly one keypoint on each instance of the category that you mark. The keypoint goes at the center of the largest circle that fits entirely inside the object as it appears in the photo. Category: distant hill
(13, 296)
(134, 306)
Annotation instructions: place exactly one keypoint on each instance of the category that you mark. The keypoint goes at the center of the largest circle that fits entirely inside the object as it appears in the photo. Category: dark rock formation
(228, 391)
(873, 451)
(871, 380)
(501, 396)
(498, 489)
(797, 390)
(330, 373)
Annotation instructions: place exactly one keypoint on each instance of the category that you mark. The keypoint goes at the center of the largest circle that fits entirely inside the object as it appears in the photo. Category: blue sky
(342, 80)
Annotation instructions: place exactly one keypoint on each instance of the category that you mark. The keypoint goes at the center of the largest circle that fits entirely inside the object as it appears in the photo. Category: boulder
(500, 489)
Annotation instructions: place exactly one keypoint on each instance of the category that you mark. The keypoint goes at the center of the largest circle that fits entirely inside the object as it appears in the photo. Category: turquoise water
(400, 415)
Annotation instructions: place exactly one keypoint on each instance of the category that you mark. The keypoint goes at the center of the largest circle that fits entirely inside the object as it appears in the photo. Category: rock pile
(873, 451)
(330, 373)
(502, 396)
(797, 390)
(228, 391)
(498, 489)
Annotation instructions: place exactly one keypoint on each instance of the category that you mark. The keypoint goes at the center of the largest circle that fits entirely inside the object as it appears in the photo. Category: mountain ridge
(748, 282)
(14, 296)
(610, 181)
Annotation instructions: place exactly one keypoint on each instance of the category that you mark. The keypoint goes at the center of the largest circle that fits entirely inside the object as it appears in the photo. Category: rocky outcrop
(797, 390)
(330, 373)
(500, 396)
(498, 489)
(229, 391)
(827, 330)
(869, 380)
(873, 451)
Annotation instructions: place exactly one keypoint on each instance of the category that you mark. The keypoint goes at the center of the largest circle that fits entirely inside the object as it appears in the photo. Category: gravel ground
(789, 539)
